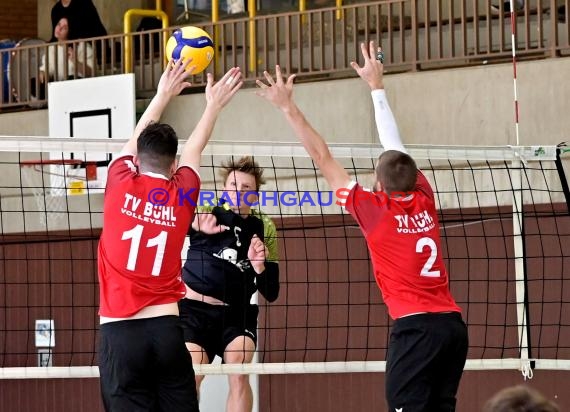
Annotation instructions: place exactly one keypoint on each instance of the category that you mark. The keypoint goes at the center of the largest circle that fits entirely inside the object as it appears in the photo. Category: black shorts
(425, 360)
(213, 327)
(144, 366)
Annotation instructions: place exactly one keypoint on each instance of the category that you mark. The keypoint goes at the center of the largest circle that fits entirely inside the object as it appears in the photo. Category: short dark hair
(396, 171)
(246, 164)
(157, 146)
(519, 398)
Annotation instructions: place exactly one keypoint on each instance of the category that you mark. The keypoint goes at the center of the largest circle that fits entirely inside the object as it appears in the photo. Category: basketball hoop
(51, 180)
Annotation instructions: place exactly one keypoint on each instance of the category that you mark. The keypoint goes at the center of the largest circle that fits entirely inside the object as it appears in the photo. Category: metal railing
(415, 34)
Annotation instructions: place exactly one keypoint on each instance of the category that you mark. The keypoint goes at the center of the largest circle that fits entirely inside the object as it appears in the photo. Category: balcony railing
(415, 34)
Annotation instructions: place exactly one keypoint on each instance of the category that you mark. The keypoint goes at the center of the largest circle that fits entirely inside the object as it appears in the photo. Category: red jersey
(145, 220)
(403, 239)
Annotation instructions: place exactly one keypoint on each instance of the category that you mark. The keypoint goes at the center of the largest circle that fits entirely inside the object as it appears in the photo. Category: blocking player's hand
(220, 93)
(257, 254)
(208, 224)
(173, 79)
(373, 70)
(278, 91)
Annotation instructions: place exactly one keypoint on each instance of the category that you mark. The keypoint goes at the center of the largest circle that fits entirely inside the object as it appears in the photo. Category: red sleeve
(187, 180)
(365, 206)
(120, 169)
(422, 185)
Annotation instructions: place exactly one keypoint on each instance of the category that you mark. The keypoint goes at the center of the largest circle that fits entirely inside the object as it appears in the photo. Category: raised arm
(373, 74)
(280, 94)
(171, 83)
(217, 96)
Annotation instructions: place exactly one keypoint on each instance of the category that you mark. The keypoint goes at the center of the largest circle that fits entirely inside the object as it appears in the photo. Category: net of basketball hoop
(51, 181)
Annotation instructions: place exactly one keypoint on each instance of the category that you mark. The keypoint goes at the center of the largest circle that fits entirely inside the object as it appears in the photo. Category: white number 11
(426, 270)
(159, 241)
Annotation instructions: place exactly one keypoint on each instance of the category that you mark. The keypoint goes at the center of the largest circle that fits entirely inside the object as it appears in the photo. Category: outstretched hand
(278, 91)
(173, 79)
(220, 93)
(373, 70)
(208, 224)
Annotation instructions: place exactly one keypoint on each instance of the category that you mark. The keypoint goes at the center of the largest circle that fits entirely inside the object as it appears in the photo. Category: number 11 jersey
(145, 220)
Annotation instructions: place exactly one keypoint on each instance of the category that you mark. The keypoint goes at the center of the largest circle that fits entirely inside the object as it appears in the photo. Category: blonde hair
(246, 164)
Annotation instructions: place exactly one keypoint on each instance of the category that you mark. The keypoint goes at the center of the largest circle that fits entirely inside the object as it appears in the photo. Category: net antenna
(52, 180)
(518, 219)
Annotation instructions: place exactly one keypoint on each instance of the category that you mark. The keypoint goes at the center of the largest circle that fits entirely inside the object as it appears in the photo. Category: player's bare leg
(240, 398)
(198, 357)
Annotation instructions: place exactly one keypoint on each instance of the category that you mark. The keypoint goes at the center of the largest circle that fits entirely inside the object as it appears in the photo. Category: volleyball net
(505, 229)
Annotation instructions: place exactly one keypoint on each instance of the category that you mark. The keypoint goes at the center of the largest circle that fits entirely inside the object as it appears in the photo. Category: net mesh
(505, 234)
(49, 180)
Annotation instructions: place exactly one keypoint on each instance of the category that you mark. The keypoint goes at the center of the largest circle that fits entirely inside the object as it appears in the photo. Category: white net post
(519, 261)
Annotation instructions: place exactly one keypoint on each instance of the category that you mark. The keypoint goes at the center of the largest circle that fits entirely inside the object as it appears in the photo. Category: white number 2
(159, 241)
(426, 270)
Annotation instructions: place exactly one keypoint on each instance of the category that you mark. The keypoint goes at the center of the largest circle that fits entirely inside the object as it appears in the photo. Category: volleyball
(191, 42)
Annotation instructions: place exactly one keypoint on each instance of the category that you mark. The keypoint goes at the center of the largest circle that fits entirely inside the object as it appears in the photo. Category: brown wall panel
(329, 309)
(364, 392)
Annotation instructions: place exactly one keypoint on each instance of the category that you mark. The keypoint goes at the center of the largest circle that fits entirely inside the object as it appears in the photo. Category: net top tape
(280, 149)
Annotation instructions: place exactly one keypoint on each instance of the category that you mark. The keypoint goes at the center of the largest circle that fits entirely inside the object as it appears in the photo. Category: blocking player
(148, 206)
(233, 252)
(428, 343)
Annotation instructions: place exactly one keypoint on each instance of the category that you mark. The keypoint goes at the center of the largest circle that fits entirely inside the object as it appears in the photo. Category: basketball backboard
(96, 108)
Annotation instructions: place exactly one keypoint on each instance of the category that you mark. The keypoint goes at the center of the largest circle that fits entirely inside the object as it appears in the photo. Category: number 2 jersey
(145, 219)
(404, 244)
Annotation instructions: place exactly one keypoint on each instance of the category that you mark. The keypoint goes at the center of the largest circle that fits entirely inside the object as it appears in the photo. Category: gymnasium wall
(18, 19)
(315, 273)
(472, 106)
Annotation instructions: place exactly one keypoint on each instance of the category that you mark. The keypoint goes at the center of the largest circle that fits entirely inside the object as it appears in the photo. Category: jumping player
(149, 204)
(232, 253)
(428, 343)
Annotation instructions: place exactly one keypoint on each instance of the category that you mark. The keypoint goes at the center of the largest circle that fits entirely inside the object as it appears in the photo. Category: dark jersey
(217, 265)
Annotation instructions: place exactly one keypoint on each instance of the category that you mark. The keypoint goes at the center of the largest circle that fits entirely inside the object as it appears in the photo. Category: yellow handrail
(252, 10)
(302, 8)
(338, 9)
(216, 19)
(128, 30)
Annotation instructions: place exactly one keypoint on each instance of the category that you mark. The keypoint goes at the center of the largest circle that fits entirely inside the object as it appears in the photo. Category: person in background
(519, 399)
(82, 15)
(77, 57)
(63, 61)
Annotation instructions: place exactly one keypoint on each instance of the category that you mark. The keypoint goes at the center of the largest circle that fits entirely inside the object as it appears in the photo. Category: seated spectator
(83, 17)
(63, 61)
(519, 399)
